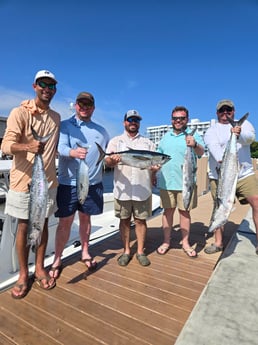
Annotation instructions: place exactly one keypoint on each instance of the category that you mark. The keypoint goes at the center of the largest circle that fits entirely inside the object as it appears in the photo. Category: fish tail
(102, 153)
(239, 122)
(191, 133)
(242, 120)
(39, 138)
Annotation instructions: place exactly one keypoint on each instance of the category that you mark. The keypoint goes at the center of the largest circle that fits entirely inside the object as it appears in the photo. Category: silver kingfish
(189, 171)
(227, 180)
(38, 197)
(82, 179)
(142, 159)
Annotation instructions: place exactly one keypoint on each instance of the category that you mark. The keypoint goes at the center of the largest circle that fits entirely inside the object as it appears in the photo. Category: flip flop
(55, 272)
(163, 249)
(189, 251)
(22, 289)
(39, 282)
(92, 264)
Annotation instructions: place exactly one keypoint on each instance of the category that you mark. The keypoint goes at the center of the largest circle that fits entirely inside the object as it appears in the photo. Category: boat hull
(103, 226)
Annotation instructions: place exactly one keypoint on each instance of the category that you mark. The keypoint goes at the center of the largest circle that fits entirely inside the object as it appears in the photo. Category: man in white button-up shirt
(132, 187)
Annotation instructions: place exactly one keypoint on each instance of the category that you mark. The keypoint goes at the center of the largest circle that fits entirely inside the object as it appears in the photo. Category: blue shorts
(68, 204)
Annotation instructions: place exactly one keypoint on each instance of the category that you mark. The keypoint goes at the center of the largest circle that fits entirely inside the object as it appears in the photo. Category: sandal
(55, 272)
(48, 279)
(190, 252)
(92, 265)
(21, 289)
(163, 249)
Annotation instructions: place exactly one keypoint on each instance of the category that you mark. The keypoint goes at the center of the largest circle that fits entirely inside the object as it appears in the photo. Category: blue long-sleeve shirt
(73, 132)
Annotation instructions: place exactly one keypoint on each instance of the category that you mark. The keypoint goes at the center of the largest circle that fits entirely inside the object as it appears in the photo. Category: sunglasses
(180, 118)
(43, 85)
(84, 104)
(133, 119)
(225, 109)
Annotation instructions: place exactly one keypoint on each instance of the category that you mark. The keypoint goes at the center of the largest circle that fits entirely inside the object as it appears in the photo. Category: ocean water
(108, 176)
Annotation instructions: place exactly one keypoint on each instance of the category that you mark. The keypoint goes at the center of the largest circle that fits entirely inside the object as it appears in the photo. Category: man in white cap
(132, 187)
(216, 139)
(19, 142)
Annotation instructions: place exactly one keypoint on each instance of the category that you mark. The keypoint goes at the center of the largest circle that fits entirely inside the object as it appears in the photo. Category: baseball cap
(44, 74)
(226, 102)
(85, 95)
(132, 113)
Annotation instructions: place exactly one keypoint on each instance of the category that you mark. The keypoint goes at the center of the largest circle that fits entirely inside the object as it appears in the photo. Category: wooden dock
(119, 305)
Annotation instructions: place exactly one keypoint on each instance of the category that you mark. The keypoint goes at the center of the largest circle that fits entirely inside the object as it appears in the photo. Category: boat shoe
(143, 260)
(124, 259)
(212, 249)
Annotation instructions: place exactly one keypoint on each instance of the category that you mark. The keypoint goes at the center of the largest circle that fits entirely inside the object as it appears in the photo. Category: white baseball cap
(44, 74)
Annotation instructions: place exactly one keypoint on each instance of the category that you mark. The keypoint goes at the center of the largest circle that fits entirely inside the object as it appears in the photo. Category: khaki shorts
(124, 209)
(17, 204)
(174, 198)
(246, 187)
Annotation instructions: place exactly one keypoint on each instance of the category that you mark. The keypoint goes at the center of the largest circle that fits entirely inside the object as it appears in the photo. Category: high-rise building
(155, 133)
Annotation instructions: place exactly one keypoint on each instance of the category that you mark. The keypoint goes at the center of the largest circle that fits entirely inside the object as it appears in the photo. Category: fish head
(163, 159)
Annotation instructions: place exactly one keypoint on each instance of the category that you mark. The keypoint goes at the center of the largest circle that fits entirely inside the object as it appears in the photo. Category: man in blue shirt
(78, 138)
(170, 182)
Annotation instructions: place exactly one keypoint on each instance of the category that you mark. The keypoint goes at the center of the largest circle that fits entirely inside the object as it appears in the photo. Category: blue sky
(148, 55)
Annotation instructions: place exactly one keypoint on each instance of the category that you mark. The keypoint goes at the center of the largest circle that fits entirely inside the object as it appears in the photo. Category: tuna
(227, 181)
(142, 159)
(189, 172)
(38, 197)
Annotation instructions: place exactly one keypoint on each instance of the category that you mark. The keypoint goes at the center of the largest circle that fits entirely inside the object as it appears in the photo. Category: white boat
(103, 226)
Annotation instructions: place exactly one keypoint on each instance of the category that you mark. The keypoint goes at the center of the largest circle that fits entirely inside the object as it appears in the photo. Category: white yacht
(103, 226)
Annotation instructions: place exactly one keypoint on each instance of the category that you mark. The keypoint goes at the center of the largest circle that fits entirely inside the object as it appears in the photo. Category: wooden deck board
(118, 305)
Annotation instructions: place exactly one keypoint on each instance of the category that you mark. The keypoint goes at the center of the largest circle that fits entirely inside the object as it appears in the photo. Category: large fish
(142, 159)
(38, 197)
(189, 171)
(227, 180)
(82, 180)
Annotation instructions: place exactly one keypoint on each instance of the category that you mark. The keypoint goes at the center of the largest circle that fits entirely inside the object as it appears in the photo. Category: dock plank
(119, 305)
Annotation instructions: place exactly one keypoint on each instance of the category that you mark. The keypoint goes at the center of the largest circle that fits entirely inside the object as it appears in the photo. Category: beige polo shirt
(18, 130)
(131, 183)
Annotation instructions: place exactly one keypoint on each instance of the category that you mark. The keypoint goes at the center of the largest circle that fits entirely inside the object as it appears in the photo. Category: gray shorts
(17, 204)
(124, 209)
